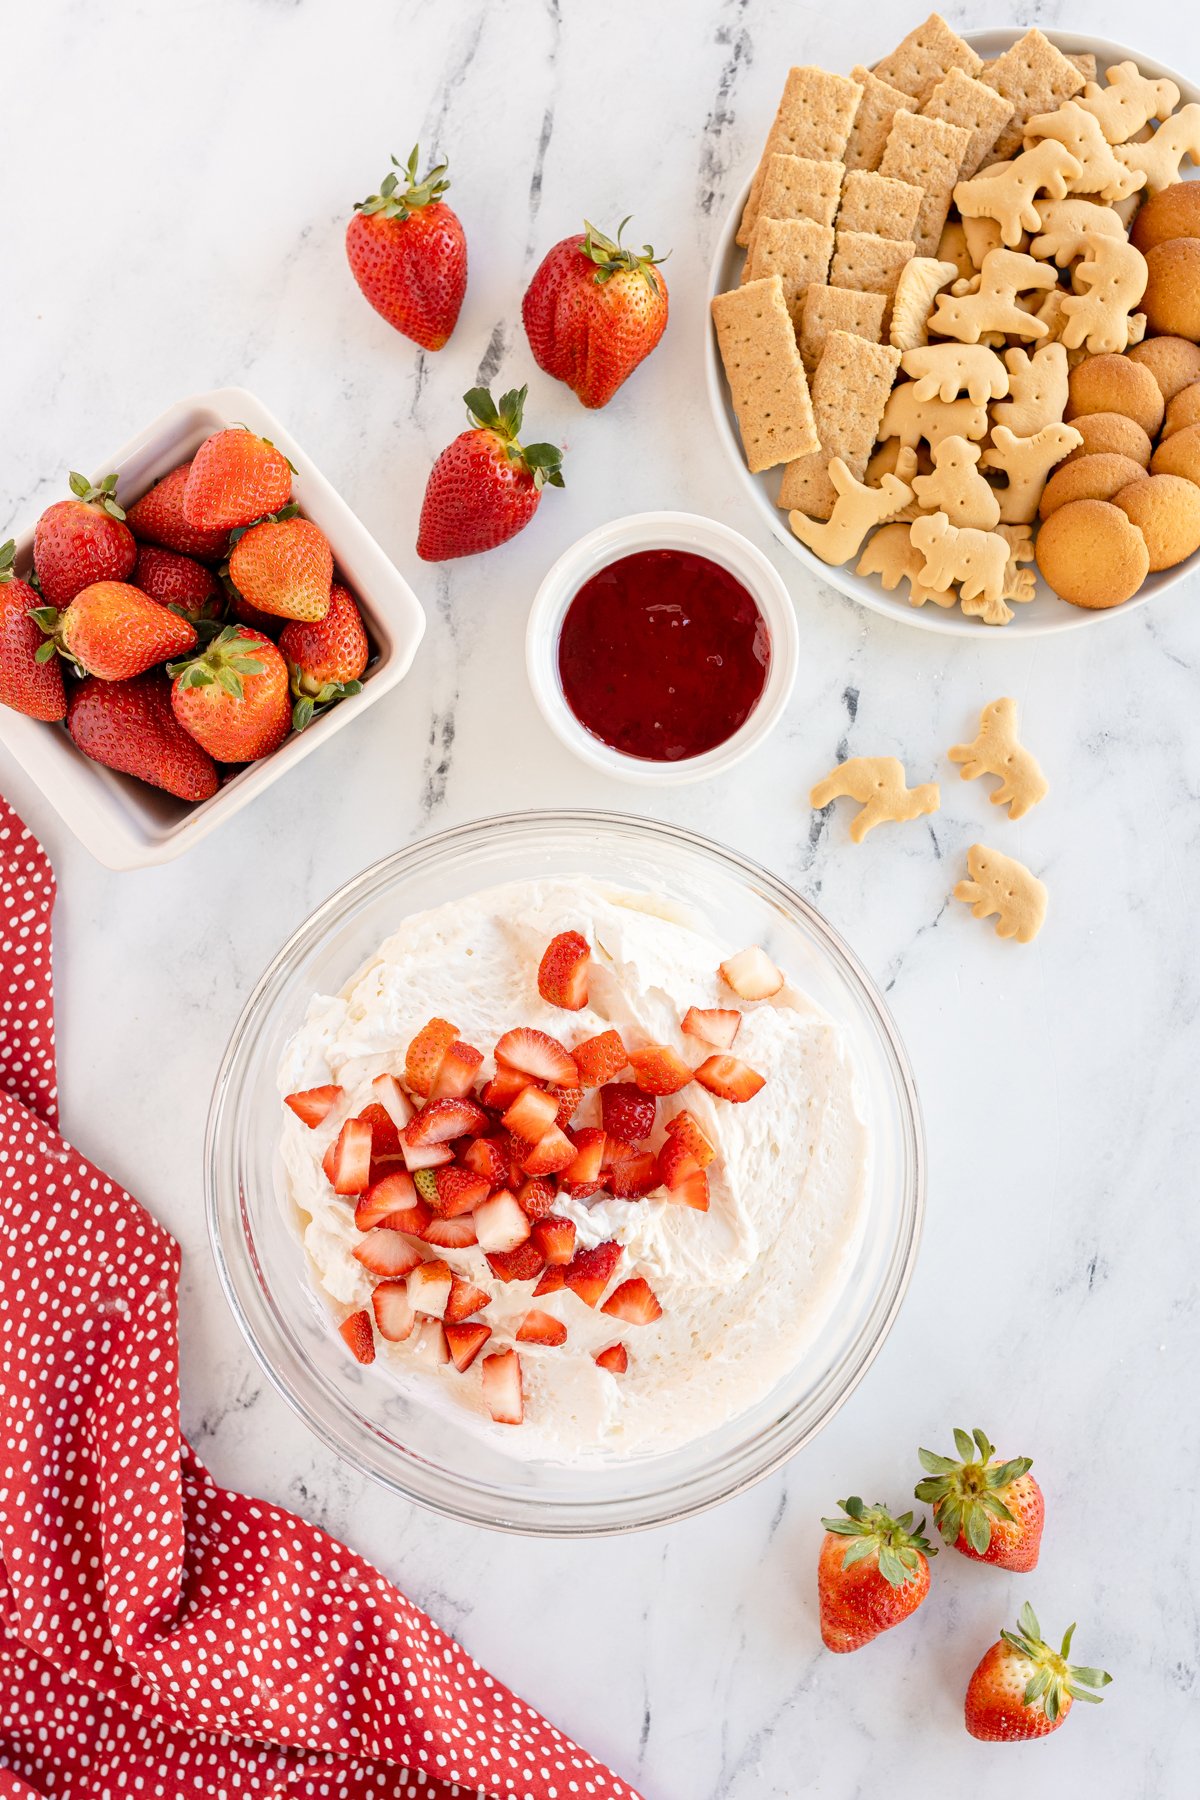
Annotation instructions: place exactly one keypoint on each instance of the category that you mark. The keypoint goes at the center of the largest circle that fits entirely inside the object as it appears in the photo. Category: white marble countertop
(174, 212)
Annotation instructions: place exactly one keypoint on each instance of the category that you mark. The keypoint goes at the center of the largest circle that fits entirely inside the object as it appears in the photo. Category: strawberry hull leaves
(989, 1510)
(872, 1528)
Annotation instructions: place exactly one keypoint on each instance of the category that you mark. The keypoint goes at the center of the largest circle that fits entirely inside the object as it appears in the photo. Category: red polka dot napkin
(160, 1636)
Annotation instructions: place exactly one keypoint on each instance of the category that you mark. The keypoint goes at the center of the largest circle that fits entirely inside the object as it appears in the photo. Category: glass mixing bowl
(362, 1413)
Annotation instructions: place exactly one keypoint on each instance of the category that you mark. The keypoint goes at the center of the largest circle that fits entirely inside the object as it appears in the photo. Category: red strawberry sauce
(663, 655)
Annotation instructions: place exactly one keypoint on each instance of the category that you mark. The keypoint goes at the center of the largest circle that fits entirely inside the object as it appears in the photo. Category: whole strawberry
(325, 659)
(234, 479)
(991, 1511)
(29, 683)
(113, 630)
(77, 542)
(284, 566)
(157, 518)
(233, 696)
(876, 1580)
(1023, 1689)
(486, 485)
(594, 311)
(178, 581)
(408, 254)
(130, 726)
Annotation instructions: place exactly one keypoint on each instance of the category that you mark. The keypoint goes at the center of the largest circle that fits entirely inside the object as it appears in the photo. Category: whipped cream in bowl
(769, 1292)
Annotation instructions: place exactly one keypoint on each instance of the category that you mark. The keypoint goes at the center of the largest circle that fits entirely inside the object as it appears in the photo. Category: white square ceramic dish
(129, 825)
(1045, 613)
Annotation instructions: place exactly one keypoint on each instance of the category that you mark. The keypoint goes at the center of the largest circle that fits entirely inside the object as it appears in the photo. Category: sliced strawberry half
(393, 1099)
(429, 1288)
(615, 1358)
(563, 971)
(539, 1327)
(553, 1278)
(569, 1099)
(314, 1104)
(426, 1054)
(590, 1143)
(458, 1072)
(685, 1127)
(531, 1114)
(631, 1173)
(387, 1253)
(715, 1026)
(751, 974)
(484, 1157)
(634, 1301)
(525, 1263)
(680, 1173)
(414, 1219)
(465, 1342)
(537, 1054)
(729, 1079)
(347, 1162)
(500, 1092)
(555, 1238)
(600, 1058)
(429, 1342)
(628, 1114)
(385, 1139)
(458, 1191)
(359, 1336)
(395, 1193)
(589, 1271)
(659, 1070)
(535, 1197)
(500, 1224)
(451, 1234)
(465, 1299)
(442, 1120)
(425, 1156)
(502, 1390)
(550, 1154)
(394, 1316)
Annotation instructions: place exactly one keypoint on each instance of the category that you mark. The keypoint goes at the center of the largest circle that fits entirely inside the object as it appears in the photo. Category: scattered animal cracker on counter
(1002, 885)
(995, 265)
(997, 750)
(879, 784)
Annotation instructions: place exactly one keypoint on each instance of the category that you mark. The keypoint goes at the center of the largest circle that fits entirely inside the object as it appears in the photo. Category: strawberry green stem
(392, 204)
(1052, 1678)
(224, 661)
(965, 1495)
(612, 258)
(542, 461)
(873, 1531)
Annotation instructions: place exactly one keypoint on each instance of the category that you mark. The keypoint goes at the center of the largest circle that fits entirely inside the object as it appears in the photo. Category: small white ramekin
(625, 537)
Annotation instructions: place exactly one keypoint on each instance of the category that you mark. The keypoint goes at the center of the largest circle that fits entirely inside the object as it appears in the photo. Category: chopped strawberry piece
(628, 1114)
(393, 1099)
(589, 1155)
(347, 1162)
(387, 1253)
(429, 1288)
(537, 1054)
(442, 1120)
(550, 1154)
(426, 1054)
(751, 974)
(535, 1198)
(425, 1156)
(659, 1070)
(615, 1359)
(631, 1173)
(569, 1099)
(458, 1191)
(563, 971)
(502, 1391)
(681, 1174)
(600, 1059)
(414, 1219)
(451, 1234)
(555, 1238)
(385, 1139)
(553, 1278)
(394, 1193)
(425, 1182)
(524, 1263)
(500, 1223)
(465, 1299)
(483, 1156)
(729, 1079)
(500, 1092)
(465, 1342)
(458, 1073)
(589, 1271)
(634, 1301)
(539, 1327)
(358, 1334)
(314, 1104)
(685, 1127)
(394, 1316)
(715, 1025)
(531, 1114)
(429, 1342)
